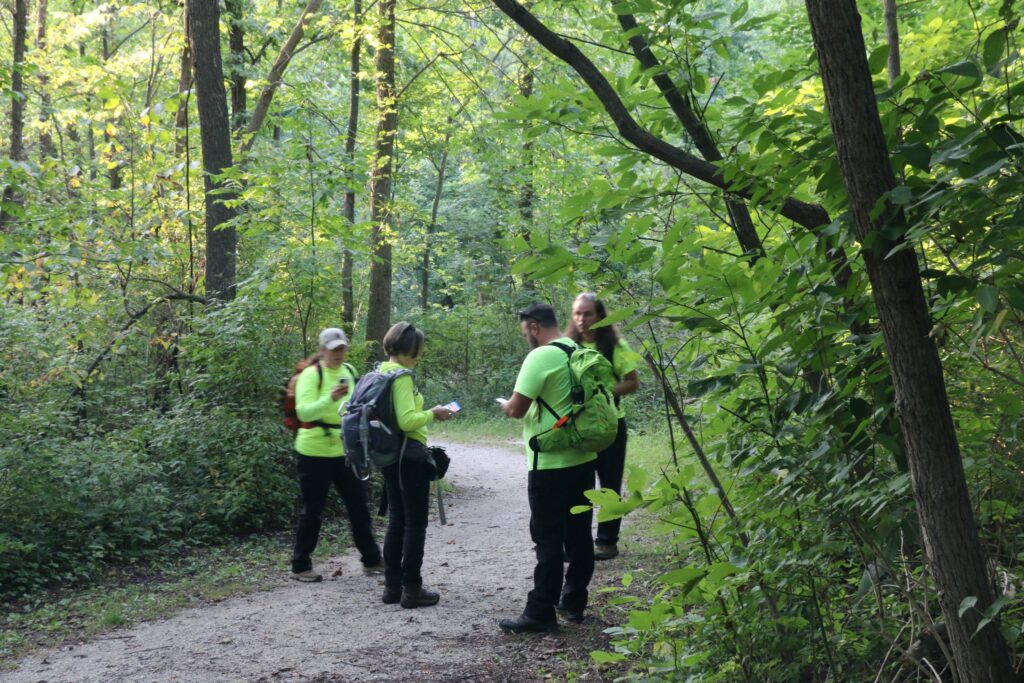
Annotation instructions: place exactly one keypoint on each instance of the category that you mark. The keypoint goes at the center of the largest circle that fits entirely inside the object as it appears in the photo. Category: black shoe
(419, 597)
(391, 595)
(575, 616)
(605, 551)
(525, 624)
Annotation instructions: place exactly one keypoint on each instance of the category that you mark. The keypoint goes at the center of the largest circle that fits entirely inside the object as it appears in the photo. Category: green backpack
(592, 423)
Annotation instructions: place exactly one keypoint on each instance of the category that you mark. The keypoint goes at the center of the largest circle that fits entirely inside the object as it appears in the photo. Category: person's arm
(627, 362)
(409, 419)
(628, 385)
(310, 406)
(516, 406)
(529, 383)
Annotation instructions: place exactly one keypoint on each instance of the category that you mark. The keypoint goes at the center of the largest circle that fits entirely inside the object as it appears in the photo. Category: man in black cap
(556, 480)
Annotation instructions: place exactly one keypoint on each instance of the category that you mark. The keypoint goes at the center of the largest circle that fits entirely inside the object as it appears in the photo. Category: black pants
(611, 463)
(408, 490)
(552, 494)
(315, 478)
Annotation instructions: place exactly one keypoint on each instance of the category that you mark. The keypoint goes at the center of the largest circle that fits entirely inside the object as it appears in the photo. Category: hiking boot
(392, 594)
(575, 616)
(419, 597)
(604, 551)
(525, 624)
(374, 569)
(308, 576)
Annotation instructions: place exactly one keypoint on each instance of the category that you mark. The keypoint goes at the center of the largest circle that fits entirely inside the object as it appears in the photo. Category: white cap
(332, 338)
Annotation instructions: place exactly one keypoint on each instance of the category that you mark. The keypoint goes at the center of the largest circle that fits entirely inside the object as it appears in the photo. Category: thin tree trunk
(527, 192)
(348, 313)
(259, 113)
(378, 316)
(933, 453)
(184, 85)
(114, 172)
(215, 133)
(432, 225)
(892, 38)
(236, 61)
(17, 139)
(46, 146)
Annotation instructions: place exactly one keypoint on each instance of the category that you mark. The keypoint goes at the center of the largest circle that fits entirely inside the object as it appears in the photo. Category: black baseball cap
(540, 312)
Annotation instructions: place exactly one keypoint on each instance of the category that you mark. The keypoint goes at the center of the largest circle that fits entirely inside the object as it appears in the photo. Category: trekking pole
(440, 503)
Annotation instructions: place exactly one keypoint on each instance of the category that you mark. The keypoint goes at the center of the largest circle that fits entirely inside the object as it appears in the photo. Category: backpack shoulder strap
(565, 347)
(352, 371)
(319, 374)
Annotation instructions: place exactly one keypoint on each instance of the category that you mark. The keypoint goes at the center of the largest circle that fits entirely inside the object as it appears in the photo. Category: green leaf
(603, 657)
(613, 318)
(738, 13)
(878, 59)
(988, 297)
(917, 155)
(966, 604)
(967, 69)
(995, 45)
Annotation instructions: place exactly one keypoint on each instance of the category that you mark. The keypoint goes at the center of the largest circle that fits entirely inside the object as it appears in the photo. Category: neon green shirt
(624, 361)
(408, 404)
(314, 403)
(545, 374)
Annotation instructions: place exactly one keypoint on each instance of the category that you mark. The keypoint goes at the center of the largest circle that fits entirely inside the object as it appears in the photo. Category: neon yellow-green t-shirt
(624, 361)
(408, 403)
(314, 403)
(545, 375)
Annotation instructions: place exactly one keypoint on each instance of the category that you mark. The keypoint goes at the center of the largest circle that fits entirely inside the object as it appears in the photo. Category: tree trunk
(432, 225)
(276, 73)
(348, 313)
(17, 139)
(892, 38)
(46, 147)
(184, 85)
(378, 317)
(933, 454)
(236, 61)
(215, 134)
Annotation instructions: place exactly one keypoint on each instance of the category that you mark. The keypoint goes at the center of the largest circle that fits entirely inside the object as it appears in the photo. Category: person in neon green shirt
(555, 483)
(587, 309)
(407, 481)
(319, 457)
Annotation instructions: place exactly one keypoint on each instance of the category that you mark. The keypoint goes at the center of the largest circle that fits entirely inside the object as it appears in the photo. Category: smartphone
(453, 406)
(501, 401)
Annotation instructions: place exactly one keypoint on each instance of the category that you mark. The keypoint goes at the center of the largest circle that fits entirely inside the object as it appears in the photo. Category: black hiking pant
(611, 463)
(408, 490)
(315, 478)
(552, 494)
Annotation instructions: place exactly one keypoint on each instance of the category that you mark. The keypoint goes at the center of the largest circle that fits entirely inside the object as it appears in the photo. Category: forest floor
(338, 630)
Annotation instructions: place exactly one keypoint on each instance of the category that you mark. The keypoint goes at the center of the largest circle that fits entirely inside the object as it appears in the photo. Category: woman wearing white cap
(319, 391)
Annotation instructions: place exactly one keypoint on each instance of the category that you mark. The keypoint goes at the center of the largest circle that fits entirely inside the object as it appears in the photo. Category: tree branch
(808, 215)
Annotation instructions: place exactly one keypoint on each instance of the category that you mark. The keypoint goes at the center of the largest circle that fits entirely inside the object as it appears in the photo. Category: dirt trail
(339, 630)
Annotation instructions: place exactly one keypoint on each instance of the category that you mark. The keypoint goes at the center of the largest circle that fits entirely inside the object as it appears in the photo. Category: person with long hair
(407, 481)
(320, 457)
(587, 309)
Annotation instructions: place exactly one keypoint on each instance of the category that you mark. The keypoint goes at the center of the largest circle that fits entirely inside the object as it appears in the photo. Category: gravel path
(339, 630)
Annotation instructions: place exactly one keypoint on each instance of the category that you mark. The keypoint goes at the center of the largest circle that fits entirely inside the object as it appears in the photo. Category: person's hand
(339, 391)
(441, 413)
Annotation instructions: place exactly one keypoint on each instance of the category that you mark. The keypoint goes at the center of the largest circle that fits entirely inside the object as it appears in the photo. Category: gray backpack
(369, 428)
